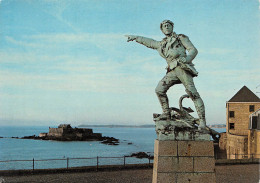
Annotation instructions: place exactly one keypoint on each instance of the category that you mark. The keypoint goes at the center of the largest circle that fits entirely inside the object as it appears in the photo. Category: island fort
(65, 132)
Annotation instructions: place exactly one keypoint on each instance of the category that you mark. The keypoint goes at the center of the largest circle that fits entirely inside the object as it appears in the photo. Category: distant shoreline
(140, 126)
(119, 126)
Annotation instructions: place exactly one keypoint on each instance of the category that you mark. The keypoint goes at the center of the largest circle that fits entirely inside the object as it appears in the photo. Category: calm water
(142, 139)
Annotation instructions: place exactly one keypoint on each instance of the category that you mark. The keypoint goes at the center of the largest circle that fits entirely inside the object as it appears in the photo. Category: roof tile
(244, 95)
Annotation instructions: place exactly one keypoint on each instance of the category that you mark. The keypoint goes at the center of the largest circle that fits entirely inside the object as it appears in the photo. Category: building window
(251, 108)
(254, 122)
(231, 126)
(231, 114)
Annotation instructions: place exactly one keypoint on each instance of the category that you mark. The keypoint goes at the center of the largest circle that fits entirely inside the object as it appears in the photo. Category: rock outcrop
(110, 141)
(141, 155)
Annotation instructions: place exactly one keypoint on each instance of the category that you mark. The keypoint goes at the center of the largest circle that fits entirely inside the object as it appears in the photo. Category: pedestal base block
(184, 161)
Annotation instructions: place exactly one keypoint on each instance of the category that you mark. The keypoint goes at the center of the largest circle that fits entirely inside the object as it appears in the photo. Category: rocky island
(65, 132)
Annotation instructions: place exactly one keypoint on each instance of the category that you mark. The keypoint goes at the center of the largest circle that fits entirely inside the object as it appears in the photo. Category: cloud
(112, 45)
(117, 71)
(230, 75)
(20, 43)
(56, 11)
(79, 76)
(40, 66)
(103, 51)
(77, 37)
(217, 51)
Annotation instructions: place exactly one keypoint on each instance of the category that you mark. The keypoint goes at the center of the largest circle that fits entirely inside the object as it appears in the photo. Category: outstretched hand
(130, 37)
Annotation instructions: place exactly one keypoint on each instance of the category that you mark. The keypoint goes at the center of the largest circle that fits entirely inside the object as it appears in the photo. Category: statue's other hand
(184, 60)
(130, 37)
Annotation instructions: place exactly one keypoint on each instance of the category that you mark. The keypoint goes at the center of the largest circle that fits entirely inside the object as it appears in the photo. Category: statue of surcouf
(179, 52)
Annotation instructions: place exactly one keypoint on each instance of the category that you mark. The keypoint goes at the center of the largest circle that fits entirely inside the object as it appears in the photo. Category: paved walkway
(224, 174)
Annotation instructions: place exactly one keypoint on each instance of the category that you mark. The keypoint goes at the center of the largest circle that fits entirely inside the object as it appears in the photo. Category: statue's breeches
(177, 76)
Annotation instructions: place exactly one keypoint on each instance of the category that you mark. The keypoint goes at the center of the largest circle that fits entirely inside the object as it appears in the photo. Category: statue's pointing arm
(150, 43)
(192, 51)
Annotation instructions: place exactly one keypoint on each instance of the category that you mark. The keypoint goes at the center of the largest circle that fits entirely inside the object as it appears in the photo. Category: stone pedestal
(183, 161)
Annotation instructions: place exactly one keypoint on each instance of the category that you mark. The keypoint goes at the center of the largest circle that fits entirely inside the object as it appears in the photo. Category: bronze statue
(180, 68)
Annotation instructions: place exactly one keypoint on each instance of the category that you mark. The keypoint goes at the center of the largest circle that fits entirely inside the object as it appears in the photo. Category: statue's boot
(166, 115)
(199, 105)
(202, 125)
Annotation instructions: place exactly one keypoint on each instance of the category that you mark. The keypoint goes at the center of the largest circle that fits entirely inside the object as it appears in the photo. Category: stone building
(254, 135)
(65, 132)
(240, 139)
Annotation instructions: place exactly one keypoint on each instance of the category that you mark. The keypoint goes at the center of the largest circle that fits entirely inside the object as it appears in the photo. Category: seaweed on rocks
(140, 155)
(110, 141)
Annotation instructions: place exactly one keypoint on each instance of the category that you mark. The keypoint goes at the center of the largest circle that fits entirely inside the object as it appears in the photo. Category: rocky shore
(141, 155)
(104, 140)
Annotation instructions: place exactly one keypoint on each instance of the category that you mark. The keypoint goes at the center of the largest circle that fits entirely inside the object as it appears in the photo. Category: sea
(58, 154)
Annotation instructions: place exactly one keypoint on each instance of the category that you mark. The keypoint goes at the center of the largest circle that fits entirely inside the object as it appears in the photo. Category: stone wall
(43, 134)
(237, 146)
(56, 132)
(84, 131)
(97, 135)
(254, 144)
(223, 141)
(241, 116)
(63, 132)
